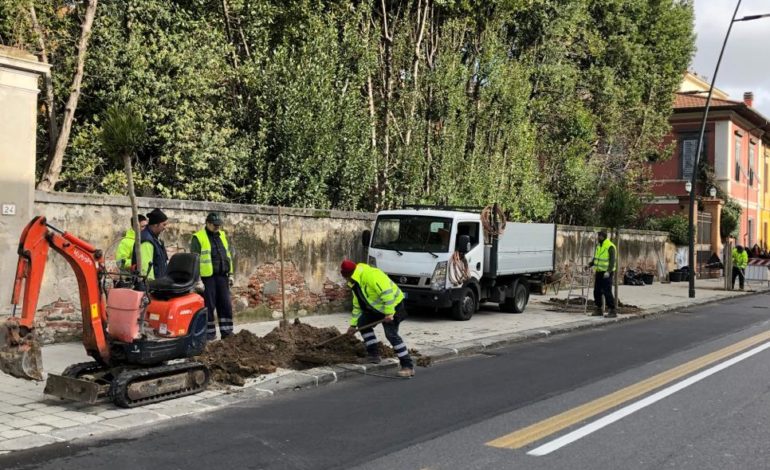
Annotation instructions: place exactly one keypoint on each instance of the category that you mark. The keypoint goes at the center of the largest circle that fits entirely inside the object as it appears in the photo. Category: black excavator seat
(182, 274)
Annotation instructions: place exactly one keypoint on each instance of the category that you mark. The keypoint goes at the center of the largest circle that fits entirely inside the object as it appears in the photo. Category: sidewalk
(30, 419)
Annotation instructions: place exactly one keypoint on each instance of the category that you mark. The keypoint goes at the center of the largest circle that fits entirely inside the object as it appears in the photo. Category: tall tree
(53, 168)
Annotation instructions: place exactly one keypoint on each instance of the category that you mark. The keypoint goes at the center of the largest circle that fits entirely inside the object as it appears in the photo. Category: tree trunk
(422, 15)
(53, 127)
(53, 168)
(134, 212)
(387, 94)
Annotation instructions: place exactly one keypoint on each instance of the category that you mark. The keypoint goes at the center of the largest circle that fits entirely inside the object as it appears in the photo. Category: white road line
(579, 433)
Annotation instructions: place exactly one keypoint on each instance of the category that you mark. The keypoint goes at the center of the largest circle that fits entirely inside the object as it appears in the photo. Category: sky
(745, 65)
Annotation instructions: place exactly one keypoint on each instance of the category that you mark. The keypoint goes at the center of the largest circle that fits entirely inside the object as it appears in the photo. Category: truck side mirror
(366, 237)
(463, 244)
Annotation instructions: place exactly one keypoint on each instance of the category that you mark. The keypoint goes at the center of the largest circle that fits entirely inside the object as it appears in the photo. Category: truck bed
(523, 248)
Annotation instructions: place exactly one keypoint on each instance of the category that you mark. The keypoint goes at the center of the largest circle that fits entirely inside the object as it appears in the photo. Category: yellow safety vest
(207, 266)
(740, 260)
(602, 256)
(125, 250)
(379, 291)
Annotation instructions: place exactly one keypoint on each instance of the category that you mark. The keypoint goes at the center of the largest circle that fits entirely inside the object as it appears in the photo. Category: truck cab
(444, 260)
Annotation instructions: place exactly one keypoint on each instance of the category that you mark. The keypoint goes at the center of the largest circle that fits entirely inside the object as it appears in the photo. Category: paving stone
(222, 400)
(78, 432)
(11, 409)
(63, 423)
(17, 400)
(30, 414)
(13, 433)
(182, 409)
(87, 419)
(132, 420)
(38, 429)
(111, 414)
(47, 419)
(20, 423)
(26, 442)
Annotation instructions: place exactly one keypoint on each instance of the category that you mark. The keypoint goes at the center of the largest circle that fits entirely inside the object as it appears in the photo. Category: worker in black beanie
(153, 249)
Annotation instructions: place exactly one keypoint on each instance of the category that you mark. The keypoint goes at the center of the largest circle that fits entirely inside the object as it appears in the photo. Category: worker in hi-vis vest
(216, 260)
(125, 249)
(740, 261)
(605, 264)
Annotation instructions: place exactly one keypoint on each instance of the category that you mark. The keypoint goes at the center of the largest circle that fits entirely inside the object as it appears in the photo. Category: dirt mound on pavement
(622, 308)
(289, 346)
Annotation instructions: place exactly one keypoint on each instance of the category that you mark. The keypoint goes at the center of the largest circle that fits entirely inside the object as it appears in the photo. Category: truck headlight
(371, 261)
(438, 280)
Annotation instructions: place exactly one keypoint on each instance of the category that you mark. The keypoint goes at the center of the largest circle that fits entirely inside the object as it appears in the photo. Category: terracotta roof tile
(697, 101)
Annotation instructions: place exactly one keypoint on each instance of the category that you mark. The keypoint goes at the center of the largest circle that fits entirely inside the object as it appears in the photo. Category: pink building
(734, 147)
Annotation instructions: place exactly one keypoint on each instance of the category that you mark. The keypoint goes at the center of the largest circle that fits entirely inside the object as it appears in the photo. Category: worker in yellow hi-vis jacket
(376, 297)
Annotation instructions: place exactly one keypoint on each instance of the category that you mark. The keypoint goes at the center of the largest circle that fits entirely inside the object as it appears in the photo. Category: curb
(320, 376)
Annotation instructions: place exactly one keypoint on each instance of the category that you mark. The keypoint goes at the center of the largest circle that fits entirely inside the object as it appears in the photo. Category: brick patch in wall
(264, 288)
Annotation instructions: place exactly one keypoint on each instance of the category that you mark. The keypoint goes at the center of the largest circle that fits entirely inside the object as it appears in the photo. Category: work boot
(406, 372)
(597, 312)
(612, 313)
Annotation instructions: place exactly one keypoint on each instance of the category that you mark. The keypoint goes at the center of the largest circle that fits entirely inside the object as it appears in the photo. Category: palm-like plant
(122, 135)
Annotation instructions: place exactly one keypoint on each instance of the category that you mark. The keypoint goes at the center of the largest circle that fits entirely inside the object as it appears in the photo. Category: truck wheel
(518, 302)
(464, 308)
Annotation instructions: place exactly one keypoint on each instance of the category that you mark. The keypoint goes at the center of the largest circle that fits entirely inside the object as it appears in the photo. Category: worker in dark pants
(740, 261)
(376, 297)
(216, 270)
(605, 265)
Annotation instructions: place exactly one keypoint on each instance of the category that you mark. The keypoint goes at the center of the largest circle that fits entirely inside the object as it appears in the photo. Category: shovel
(20, 356)
(330, 340)
(310, 358)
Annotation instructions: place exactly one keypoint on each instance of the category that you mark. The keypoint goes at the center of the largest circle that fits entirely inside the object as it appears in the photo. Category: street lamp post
(691, 228)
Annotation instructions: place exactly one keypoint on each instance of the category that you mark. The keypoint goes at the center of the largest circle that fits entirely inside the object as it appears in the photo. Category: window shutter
(689, 147)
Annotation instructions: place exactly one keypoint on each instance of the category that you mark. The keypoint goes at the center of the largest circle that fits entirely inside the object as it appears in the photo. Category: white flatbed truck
(420, 250)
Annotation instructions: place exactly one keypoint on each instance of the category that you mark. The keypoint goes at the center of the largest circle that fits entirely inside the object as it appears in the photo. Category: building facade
(736, 152)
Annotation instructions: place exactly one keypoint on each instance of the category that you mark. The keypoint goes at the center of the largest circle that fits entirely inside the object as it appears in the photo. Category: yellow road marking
(537, 431)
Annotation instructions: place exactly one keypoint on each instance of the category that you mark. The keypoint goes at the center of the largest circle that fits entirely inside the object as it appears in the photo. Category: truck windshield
(415, 233)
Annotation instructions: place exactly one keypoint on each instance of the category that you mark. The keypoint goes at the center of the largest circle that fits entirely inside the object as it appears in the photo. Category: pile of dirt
(288, 346)
(622, 308)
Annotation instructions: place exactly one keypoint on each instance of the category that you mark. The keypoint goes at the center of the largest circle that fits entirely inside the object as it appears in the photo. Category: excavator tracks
(138, 387)
(128, 387)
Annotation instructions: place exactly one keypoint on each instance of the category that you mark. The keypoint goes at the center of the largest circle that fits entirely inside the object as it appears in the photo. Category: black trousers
(391, 332)
(603, 288)
(217, 298)
(738, 272)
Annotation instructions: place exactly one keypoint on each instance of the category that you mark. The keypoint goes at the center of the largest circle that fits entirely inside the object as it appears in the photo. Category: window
(765, 173)
(738, 157)
(471, 229)
(414, 233)
(688, 148)
(752, 151)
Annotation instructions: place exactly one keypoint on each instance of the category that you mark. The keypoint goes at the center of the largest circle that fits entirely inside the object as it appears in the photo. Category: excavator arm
(19, 347)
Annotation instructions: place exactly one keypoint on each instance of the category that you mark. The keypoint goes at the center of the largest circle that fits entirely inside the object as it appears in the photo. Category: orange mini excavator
(138, 339)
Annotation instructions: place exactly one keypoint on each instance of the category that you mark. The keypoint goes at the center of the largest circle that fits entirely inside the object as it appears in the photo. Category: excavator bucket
(20, 356)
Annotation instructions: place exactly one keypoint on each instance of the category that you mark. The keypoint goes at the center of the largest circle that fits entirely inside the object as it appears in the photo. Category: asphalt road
(449, 414)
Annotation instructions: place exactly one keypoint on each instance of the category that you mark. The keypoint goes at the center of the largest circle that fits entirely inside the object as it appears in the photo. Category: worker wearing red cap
(376, 297)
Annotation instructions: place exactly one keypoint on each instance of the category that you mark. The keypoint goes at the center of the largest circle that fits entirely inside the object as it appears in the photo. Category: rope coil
(488, 216)
(458, 269)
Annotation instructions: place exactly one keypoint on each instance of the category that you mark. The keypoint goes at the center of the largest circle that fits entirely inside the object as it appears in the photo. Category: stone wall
(638, 249)
(314, 243)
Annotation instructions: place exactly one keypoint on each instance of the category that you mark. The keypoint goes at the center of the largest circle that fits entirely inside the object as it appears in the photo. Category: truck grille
(405, 280)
